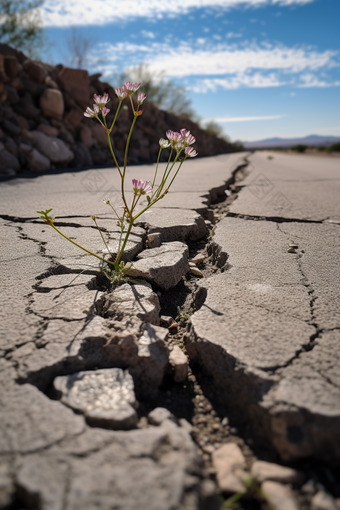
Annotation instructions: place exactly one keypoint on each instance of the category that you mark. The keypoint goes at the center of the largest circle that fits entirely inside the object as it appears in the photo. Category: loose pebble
(279, 497)
(227, 460)
(263, 471)
(158, 415)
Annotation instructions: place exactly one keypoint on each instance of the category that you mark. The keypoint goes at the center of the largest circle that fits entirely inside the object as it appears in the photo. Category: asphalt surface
(267, 333)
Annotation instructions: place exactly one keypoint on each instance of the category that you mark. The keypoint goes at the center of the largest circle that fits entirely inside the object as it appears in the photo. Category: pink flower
(184, 132)
(101, 100)
(92, 113)
(121, 93)
(131, 88)
(189, 139)
(164, 143)
(173, 136)
(141, 98)
(190, 152)
(105, 111)
(141, 187)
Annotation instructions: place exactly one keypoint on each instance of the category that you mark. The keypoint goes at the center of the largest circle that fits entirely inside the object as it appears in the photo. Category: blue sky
(261, 68)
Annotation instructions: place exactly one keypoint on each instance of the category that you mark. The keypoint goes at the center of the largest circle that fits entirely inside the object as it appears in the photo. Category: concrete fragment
(6, 485)
(53, 148)
(52, 103)
(156, 467)
(72, 303)
(179, 363)
(45, 421)
(154, 240)
(175, 224)
(132, 300)
(227, 460)
(279, 496)
(323, 501)
(291, 384)
(152, 359)
(106, 397)
(164, 266)
(158, 415)
(263, 471)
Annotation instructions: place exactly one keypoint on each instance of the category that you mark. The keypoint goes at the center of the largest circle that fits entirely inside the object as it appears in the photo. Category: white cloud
(101, 12)
(310, 80)
(257, 80)
(225, 120)
(223, 62)
(149, 35)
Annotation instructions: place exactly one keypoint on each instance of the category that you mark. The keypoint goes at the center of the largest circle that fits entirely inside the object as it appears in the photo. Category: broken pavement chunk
(163, 266)
(132, 300)
(106, 397)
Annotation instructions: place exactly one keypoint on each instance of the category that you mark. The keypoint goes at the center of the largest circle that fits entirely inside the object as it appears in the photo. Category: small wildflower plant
(180, 145)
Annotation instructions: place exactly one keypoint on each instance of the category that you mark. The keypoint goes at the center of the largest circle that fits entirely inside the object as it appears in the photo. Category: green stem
(114, 120)
(125, 164)
(113, 154)
(174, 177)
(128, 143)
(114, 210)
(166, 175)
(121, 235)
(154, 178)
(81, 247)
(119, 255)
(101, 234)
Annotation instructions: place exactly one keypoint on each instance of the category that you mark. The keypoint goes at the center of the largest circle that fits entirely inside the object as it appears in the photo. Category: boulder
(82, 156)
(12, 147)
(35, 71)
(9, 161)
(52, 103)
(12, 66)
(73, 118)
(98, 133)
(48, 130)
(26, 108)
(11, 128)
(38, 162)
(53, 148)
(76, 83)
(85, 136)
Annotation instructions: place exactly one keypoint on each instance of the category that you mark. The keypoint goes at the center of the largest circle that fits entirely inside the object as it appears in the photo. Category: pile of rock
(42, 125)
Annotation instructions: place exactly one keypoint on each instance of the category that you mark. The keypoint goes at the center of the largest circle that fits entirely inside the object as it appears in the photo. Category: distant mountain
(311, 140)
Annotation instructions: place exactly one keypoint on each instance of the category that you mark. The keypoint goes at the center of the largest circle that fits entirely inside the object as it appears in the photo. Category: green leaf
(148, 199)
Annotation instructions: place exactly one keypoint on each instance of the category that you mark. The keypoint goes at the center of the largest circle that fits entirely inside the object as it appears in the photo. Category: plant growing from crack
(180, 149)
(251, 487)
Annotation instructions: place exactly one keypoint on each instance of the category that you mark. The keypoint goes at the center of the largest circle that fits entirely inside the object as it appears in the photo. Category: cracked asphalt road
(273, 347)
(268, 332)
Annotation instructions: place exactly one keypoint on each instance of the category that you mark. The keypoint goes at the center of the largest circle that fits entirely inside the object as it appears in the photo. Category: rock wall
(42, 126)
